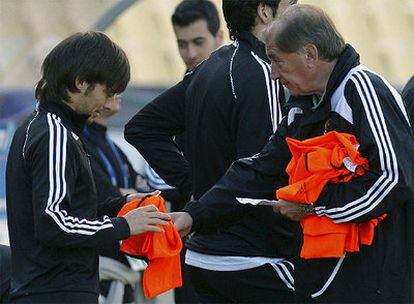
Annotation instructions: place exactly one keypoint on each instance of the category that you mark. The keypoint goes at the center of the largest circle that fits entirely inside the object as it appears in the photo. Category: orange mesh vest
(162, 249)
(332, 157)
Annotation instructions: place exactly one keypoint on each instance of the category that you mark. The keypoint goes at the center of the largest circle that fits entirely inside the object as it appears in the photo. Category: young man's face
(196, 43)
(91, 101)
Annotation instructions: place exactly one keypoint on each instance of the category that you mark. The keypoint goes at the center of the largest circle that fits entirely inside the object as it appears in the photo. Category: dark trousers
(185, 294)
(256, 285)
(58, 298)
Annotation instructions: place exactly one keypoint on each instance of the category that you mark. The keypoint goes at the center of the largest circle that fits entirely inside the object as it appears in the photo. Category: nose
(274, 74)
(109, 101)
(192, 52)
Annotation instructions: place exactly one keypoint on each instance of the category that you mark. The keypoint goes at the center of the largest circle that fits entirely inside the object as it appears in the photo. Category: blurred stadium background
(381, 30)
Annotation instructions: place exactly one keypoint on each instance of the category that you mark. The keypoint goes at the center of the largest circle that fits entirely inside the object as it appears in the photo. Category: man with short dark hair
(196, 26)
(228, 107)
(331, 91)
(55, 221)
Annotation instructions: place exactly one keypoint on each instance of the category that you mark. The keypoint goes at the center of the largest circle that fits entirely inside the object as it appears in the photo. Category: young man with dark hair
(331, 91)
(55, 221)
(228, 107)
(196, 26)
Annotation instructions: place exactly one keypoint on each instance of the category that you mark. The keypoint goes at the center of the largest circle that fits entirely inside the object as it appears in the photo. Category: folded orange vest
(332, 157)
(162, 249)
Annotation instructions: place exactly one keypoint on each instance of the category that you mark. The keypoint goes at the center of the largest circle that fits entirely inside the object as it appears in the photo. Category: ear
(219, 38)
(311, 54)
(82, 86)
(264, 13)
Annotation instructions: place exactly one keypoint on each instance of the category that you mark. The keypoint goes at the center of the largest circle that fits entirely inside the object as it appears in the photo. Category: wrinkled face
(195, 42)
(291, 69)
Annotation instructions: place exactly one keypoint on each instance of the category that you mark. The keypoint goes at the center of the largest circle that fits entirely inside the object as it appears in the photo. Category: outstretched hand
(182, 222)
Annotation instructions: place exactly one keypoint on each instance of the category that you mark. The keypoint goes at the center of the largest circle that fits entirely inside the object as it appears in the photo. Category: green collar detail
(317, 101)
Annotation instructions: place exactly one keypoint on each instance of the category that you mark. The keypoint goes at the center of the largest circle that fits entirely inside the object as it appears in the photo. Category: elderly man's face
(291, 69)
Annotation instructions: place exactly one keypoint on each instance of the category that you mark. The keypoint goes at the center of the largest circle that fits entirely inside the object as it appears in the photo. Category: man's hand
(292, 210)
(182, 222)
(145, 219)
(134, 196)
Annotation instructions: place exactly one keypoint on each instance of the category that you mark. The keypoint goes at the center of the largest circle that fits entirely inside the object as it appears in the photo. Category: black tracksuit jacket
(362, 103)
(228, 108)
(408, 97)
(52, 207)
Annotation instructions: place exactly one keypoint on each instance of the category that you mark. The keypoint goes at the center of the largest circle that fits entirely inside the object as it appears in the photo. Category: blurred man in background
(196, 26)
(228, 107)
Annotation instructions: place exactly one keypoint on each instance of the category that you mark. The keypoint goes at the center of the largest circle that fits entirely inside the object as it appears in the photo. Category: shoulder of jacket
(42, 127)
(248, 67)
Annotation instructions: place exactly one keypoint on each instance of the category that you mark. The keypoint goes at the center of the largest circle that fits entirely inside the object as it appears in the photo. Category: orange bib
(332, 157)
(162, 249)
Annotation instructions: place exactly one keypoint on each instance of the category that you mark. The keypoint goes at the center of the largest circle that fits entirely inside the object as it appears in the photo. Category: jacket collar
(254, 44)
(76, 122)
(348, 59)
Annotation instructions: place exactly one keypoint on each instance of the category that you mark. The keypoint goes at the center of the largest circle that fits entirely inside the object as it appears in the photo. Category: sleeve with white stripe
(257, 110)
(386, 141)
(57, 222)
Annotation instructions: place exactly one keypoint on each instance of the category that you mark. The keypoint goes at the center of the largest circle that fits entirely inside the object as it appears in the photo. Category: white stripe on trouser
(331, 277)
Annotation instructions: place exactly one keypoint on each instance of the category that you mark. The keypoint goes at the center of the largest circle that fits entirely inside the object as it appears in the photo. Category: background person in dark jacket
(331, 91)
(408, 97)
(228, 107)
(55, 221)
(4, 273)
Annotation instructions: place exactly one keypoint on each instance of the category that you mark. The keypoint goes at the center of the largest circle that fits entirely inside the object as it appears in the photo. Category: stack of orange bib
(332, 157)
(162, 249)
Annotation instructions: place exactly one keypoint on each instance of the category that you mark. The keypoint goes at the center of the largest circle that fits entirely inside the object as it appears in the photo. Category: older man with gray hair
(331, 91)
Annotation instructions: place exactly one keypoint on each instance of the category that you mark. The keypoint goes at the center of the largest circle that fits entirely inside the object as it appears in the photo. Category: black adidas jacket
(362, 103)
(408, 97)
(228, 108)
(52, 207)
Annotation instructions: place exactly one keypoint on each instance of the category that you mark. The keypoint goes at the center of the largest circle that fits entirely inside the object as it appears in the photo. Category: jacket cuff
(121, 227)
(196, 210)
(322, 201)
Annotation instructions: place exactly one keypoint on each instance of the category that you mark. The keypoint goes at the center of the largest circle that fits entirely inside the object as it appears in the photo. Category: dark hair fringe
(91, 57)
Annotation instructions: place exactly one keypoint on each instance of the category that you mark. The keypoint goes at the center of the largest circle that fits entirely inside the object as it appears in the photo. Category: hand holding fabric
(182, 222)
